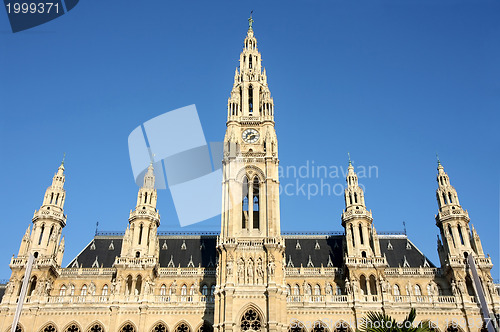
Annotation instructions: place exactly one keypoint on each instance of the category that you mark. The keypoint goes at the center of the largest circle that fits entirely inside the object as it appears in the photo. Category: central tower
(251, 293)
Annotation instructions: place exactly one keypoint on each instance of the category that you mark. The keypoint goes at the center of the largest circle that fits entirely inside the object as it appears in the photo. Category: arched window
(138, 285)
(251, 321)
(212, 290)
(250, 62)
(307, 289)
(49, 328)
(296, 326)
(363, 254)
(145, 198)
(449, 196)
(317, 293)
(296, 290)
(62, 290)
(41, 235)
(50, 234)
(460, 234)
(245, 190)
(182, 327)
(288, 290)
(355, 198)
(171, 289)
(373, 285)
(205, 327)
(204, 290)
(140, 233)
(361, 234)
(83, 292)
(73, 327)
(250, 99)
(57, 198)
(395, 290)
(418, 290)
(163, 290)
(352, 236)
(362, 284)
(129, 285)
(338, 290)
(128, 328)
(96, 327)
(105, 290)
(51, 198)
(451, 235)
(256, 213)
(342, 326)
(160, 327)
(444, 198)
(319, 327)
(32, 286)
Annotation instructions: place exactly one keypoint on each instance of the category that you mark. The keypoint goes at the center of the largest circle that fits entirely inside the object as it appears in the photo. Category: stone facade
(250, 276)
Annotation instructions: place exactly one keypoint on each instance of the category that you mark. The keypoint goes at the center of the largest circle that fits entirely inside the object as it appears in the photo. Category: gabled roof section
(314, 250)
(400, 251)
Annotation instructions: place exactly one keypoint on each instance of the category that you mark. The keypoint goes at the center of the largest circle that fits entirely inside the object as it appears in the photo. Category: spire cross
(250, 21)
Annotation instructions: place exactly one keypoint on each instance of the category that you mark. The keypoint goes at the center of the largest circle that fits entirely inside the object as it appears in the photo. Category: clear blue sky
(392, 82)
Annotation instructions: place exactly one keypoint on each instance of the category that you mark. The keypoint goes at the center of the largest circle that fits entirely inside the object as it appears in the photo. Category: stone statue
(271, 267)
(250, 272)
(328, 289)
(430, 291)
(260, 272)
(92, 288)
(147, 286)
(113, 287)
(383, 284)
(173, 287)
(461, 287)
(408, 288)
(118, 285)
(229, 268)
(241, 272)
(348, 288)
(9, 288)
(454, 287)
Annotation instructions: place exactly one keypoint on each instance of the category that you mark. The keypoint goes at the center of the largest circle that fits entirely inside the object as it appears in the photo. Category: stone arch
(454, 327)
(72, 327)
(128, 326)
(205, 326)
(251, 318)
(319, 326)
(49, 327)
(182, 326)
(363, 285)
(19, 328)
(342, 326)
(250, 171)
(160, 326)
(96, 326)
(297, 326)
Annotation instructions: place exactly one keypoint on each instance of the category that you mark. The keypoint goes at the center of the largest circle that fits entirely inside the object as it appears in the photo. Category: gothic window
(361, 234)
(319, 327)
(373, 285)
(212, 290)
(250, 99)
(363, 254)
(72, 290)
(204, 290)
(62, 290)
(453, 328)
(83, 292)
(395, 290)
(160, 327)
(163, 290)
(317, 290)
(182, 327)
(41, 235)
(57, 198)
(352, 235)
(460, 234)
(451, 235)
(50, 234)
(256, 222)
(342, 327)
(96, 328)
(251, 321)
(18, 328)
(145, 198)
(32, 286)
(129, 285)
(51, 198)
(444, 198)
(418, 290)
(307, 289)
(362, 284)
(250, 62)
(245, 191)
(49, 328)
(72, 328)
(192, 290)
(138, 285)
(288, 290)
(296, 326)
(140, 232)
(206, 327)
(338, 290)
(355, 198)
(127, 328)
(449, 196)
(105, 290)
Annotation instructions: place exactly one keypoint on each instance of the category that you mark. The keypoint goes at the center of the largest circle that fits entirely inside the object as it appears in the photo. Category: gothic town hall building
(250, 276)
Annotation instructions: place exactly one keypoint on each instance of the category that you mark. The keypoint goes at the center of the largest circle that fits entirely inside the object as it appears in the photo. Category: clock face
(250, 135)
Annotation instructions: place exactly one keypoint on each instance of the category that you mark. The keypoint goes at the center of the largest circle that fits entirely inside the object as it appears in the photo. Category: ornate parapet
(356, 213)
(365, 261)
(145, 214)
(50, 214)
(452, 213)
(135, 263)
(413, 271)
(333, 272)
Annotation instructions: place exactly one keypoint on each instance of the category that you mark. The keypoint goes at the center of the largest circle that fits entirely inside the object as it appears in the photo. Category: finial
(250, 21)
(439, 161)
(64, 157)
(349, 155)
(404, 227)
(96, 226)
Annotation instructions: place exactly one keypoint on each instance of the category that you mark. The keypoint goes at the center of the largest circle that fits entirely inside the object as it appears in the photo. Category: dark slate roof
(182, 248)
(320, 248)
(401, 247)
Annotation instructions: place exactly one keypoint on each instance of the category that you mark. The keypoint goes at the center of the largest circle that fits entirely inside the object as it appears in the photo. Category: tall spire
(250, 95)
(446, 193)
